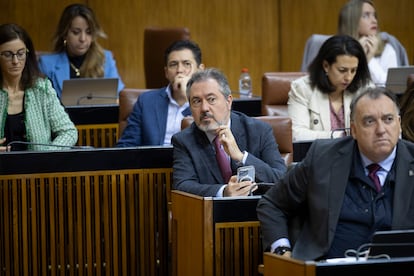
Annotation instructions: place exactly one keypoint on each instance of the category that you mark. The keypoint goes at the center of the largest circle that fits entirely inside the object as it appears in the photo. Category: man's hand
(229, 143)
(235, 188)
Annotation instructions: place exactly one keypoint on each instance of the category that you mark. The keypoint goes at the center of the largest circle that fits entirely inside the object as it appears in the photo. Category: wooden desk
(278, 265)
(85, 212)
(215, 236)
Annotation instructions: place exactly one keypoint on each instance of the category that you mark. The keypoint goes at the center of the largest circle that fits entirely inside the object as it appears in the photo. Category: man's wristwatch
(280, 250)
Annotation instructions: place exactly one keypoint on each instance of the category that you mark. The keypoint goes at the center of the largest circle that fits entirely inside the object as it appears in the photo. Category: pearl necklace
(77, 71)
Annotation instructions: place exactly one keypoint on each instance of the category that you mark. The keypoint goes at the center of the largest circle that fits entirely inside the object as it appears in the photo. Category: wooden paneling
(265, 36)
(85, 223)
(305, 17)
(97, 136)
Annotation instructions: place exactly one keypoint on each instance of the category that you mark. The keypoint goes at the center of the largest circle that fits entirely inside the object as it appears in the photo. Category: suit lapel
(162, 113)
(207, 153)
(241, 138)
(338, 179)
(320, 105)
(404, 185)
(62, 70)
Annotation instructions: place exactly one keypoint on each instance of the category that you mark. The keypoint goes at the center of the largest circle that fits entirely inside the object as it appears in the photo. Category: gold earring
(64, 42)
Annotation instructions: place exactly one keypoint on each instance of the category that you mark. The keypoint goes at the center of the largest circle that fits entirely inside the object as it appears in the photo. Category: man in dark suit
(333, 191)
(157, 114)
(245, 140)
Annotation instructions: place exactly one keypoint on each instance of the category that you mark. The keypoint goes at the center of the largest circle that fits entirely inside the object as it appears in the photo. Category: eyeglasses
(9, 55)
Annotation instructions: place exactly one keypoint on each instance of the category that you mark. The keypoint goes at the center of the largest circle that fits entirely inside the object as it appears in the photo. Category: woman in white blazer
(319, 102)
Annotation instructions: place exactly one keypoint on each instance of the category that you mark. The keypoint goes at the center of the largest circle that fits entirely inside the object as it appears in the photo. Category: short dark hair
(373, 93)
(31, 71)
(332, 48)
(181, 45)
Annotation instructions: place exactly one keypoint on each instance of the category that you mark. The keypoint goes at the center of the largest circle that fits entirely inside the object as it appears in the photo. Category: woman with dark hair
(358, 19)
(78, 53)
(319, 102)
(31, 116)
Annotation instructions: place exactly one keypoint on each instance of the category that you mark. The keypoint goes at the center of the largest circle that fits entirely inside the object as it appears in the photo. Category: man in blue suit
(157, 114)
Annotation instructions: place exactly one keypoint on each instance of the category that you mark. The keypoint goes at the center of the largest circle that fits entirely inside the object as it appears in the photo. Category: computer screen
(89, 91)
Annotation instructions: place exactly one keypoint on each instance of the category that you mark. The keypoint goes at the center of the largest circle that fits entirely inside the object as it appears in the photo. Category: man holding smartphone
(246, 142)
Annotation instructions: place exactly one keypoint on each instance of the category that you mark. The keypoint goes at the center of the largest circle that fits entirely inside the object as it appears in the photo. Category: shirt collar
(385, 164)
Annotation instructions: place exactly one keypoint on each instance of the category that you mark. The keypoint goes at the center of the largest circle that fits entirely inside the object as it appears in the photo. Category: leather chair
(127, 99)
(156, 41)
(282, 130)
(275, 90)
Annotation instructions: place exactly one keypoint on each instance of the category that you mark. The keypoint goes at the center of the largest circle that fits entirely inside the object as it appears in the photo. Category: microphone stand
(9, 145)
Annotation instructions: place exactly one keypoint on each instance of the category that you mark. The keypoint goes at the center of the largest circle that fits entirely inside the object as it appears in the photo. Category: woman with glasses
(31, 116)
(77, 51)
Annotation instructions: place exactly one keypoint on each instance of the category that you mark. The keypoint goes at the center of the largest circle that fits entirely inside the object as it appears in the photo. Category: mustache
(211, 116)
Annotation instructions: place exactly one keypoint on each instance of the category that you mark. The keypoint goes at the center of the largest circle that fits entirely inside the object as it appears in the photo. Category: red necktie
(373, 168)
(222, 160)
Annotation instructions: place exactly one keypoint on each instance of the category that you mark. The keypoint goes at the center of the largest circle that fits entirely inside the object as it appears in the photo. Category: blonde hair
(93, 65)
(348, 21)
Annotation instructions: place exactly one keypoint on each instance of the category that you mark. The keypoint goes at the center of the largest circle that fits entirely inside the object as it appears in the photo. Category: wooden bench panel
(97, 136)
(85, 223)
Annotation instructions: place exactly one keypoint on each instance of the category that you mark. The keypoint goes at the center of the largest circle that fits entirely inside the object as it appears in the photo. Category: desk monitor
(392, 243)
(89, 91)
(397, 78)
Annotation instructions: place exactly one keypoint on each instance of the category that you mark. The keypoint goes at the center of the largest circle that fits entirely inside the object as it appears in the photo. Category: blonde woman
(77, 51)
(358, 19)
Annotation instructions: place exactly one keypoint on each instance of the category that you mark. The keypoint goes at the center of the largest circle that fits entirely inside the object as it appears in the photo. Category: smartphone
(246, 173)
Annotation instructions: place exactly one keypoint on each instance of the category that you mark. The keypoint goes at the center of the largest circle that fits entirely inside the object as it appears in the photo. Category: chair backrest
(402, 57)
(127, 99)
(315, 41)
(156, 41)
(312, 46)
(282, 130)
(275, 90)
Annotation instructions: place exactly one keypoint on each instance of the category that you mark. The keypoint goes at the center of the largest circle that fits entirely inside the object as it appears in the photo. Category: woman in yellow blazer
(319, 102)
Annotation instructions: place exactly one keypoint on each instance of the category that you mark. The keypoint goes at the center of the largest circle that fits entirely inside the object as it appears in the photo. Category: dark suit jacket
(56, 68)
(195, 169)
(318, 184)
(147, 122)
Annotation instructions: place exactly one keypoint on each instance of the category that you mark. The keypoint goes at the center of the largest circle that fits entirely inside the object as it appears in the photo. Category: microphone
(9, 145)
(345, 130)
(90, 96)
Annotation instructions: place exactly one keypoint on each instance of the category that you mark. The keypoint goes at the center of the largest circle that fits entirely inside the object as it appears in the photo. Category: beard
(208, 125)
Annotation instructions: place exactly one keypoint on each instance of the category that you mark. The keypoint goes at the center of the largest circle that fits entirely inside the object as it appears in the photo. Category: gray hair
(373, 93)
(210, 73)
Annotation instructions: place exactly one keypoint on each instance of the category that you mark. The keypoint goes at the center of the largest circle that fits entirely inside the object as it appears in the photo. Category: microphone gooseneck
(9, 145)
